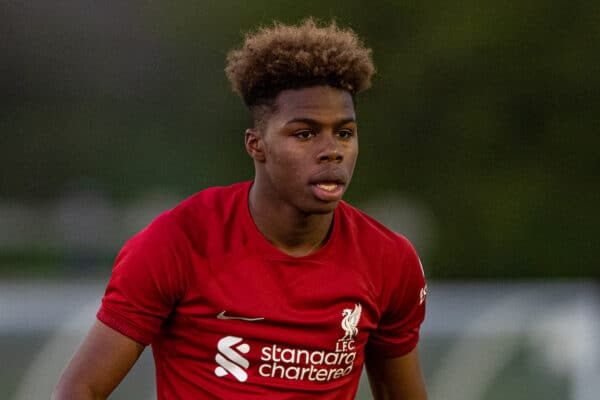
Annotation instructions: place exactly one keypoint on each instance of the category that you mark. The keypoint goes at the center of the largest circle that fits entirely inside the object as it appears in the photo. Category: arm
(100, 363)
(396, 378)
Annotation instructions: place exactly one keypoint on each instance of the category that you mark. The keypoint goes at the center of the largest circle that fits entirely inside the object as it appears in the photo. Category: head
(300, 84)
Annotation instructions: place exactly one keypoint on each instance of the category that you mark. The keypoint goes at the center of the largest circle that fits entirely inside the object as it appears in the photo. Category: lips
(328, 186)
(329, 177)
(328, 191)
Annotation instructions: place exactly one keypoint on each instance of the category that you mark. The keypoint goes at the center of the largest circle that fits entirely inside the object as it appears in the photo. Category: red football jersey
(229, 315)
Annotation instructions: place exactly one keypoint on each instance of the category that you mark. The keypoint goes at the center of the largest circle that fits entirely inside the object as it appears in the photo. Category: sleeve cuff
(123, 326)
(392, 351)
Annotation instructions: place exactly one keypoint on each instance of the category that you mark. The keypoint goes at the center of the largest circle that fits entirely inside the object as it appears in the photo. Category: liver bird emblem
(350, 321)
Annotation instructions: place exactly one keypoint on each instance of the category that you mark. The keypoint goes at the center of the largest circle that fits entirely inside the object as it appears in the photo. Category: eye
(346, 133)
(304, 134)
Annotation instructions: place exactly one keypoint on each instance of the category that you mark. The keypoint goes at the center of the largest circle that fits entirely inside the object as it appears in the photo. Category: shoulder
(368, 230)
(218, 199)
(391, 256)
(190, 220)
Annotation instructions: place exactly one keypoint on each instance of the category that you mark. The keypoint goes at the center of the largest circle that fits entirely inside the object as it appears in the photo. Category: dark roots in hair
(284, 57)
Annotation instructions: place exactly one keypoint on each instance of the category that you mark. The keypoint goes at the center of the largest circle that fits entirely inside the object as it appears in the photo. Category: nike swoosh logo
(222, 315)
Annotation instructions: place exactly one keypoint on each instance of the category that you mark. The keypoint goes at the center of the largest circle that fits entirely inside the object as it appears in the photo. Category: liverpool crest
(350, 321)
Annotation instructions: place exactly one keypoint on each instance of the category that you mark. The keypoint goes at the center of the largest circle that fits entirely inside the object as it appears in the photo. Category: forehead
(321, 103)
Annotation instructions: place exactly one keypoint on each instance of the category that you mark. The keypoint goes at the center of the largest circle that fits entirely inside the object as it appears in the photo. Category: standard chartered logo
(304, 364)
(283, 362)
(230, 360)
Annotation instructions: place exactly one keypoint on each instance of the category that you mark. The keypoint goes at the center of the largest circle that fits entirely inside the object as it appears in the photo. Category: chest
(275, 297)
(274, 320)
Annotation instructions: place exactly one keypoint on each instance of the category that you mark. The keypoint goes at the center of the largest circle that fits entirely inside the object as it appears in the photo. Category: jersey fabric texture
(228, 315)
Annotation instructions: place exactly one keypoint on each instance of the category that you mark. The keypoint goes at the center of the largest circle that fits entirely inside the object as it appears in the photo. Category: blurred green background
(479, 139)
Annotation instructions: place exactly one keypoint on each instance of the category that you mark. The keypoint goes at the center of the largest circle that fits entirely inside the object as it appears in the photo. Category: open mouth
(328, 186)
(328, 191)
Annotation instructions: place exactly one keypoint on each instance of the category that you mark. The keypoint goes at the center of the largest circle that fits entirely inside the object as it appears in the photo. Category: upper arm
(100, 363)
(396, 378)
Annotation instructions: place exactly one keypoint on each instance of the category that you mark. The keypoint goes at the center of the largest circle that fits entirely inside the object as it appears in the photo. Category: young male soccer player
(274, 288)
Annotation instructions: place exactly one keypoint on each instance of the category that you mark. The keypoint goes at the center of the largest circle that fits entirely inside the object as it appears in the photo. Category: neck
(287, 228)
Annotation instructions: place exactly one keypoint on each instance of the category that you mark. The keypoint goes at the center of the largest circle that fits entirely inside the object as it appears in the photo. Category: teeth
(330, 187)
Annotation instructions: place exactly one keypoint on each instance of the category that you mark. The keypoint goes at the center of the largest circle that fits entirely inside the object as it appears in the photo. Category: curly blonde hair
(283, 57)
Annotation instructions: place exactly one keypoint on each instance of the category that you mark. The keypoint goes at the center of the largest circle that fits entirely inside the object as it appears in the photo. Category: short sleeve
(403, 304)
(146, 282)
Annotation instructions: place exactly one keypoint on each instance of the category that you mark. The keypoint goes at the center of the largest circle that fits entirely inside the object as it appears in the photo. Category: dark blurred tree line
(487, 112)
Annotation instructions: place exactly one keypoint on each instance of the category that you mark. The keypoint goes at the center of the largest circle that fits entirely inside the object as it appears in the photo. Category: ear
(254, 144)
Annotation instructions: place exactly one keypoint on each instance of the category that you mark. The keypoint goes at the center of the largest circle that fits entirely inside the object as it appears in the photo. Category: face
(306, 150)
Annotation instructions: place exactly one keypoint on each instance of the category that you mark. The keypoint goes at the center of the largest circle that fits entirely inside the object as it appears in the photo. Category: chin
(320, 209)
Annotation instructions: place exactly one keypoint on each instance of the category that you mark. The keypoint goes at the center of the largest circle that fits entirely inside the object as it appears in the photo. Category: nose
(331, 150)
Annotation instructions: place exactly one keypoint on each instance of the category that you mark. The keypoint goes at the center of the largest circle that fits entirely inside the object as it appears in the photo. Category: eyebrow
(310, 121)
